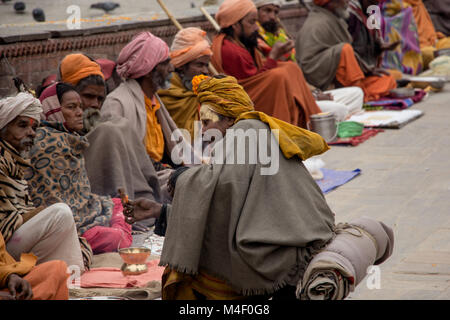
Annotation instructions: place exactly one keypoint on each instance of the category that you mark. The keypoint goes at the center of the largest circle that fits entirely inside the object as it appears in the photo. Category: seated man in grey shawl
(145, 65)
(246, 227)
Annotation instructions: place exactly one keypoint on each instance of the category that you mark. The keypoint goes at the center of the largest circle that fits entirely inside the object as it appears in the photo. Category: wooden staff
(210, 19)
(180, 27)
(169, 14)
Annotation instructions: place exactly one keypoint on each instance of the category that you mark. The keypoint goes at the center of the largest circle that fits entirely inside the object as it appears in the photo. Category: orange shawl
(281, 92)
(8, 265)
(427, 33)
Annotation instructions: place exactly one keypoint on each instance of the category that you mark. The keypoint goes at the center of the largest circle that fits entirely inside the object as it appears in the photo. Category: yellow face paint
(206, 113)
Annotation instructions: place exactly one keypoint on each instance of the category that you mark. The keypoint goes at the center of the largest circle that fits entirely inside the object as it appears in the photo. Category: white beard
(342, 13)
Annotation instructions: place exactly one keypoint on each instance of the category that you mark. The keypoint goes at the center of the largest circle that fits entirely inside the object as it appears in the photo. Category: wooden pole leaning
(170, 15)
(180, 27)
(210, 19)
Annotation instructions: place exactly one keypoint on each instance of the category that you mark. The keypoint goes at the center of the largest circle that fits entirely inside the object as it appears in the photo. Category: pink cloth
(109, 239)
(113, 277)
(140, 56)
(50, 105)
(107, 67)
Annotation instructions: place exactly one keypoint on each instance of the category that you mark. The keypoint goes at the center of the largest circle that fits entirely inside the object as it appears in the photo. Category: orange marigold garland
(196, 82)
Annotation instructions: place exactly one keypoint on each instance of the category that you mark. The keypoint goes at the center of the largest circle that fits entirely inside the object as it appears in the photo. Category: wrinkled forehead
(23, 121)
(207, 113)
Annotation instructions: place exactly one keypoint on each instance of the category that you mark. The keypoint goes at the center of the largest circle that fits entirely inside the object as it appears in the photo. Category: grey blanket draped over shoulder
(116, 158)
(319, 44)
(256, 232)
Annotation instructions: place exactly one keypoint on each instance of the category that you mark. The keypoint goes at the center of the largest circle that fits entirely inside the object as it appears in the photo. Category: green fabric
(349, 129)
(271, 39)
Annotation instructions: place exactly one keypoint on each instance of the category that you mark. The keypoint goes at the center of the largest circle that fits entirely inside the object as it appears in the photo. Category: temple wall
(33, 57)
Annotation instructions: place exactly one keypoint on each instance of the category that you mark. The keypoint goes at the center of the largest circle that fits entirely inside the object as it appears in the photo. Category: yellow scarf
(226, 97)
(181, 103)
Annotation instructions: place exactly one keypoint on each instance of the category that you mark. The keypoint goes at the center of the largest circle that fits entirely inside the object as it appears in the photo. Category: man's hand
(279, 49)
(19, 288)
(6, 296)
(389, 46)
(379, 72)
(141, 209)
(324, 96)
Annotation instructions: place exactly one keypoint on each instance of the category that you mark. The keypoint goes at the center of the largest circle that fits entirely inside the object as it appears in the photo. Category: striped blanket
(14, 198)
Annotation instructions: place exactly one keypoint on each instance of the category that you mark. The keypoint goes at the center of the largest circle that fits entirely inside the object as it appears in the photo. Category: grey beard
(342, 13)
(160, 83)
(187, 82)
(25, 153)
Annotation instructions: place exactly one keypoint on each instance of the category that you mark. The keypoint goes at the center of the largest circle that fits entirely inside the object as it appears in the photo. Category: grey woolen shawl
(256, 232)
(116, 158)
(319, 44)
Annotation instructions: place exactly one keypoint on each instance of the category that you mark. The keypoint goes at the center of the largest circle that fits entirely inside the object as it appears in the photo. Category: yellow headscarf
(226, 97)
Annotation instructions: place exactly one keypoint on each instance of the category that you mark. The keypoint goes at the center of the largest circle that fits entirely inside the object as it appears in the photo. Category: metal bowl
(134, 255)
(423, 82)
(402, 93)
(133, 269)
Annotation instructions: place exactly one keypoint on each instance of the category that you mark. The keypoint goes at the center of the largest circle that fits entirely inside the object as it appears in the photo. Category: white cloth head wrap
(23, 104)
(260, 3)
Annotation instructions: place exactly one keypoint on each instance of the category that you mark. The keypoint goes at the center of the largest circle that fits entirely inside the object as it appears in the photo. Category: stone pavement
(405, 182)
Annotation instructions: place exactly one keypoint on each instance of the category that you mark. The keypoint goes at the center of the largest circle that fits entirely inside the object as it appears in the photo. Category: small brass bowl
(134, 260)
(133, 269)
(134, 255)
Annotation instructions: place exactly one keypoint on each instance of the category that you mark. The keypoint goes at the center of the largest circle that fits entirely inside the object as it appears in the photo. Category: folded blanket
(388, 103)
(151, 291)
(340, 267)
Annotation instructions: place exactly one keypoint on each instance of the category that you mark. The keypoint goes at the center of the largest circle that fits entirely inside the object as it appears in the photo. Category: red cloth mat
(354, 141)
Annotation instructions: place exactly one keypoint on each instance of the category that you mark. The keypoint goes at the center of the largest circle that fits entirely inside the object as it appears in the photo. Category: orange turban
(321, 2)
(231, 11)
(189, 44)
(75, 67)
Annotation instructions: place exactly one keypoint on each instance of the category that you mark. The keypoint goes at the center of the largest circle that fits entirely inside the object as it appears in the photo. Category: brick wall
(35, 60)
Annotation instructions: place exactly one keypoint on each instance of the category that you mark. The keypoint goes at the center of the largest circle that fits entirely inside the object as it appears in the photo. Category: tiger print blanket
(14, 198)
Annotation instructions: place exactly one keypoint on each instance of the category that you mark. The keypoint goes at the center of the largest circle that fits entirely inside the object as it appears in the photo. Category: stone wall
(34, 57)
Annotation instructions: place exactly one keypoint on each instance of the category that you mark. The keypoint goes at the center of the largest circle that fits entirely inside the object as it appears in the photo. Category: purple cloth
(398, 103)
(401, 26)
(333, 179)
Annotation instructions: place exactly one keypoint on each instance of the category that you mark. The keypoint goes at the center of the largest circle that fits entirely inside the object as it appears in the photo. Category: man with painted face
(277, 88)
(48, 231)
(190, 55)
